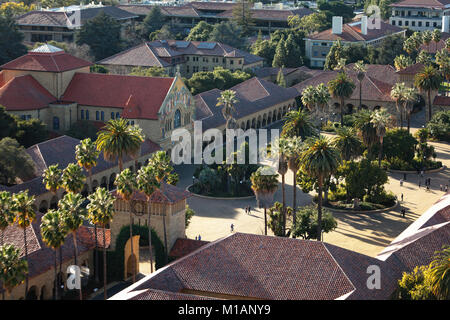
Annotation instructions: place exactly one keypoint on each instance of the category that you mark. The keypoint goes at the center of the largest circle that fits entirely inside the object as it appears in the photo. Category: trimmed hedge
(115, 259)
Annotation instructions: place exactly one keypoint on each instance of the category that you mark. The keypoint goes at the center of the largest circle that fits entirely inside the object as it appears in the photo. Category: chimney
(336, 25)
(364, 25)
(446, 24)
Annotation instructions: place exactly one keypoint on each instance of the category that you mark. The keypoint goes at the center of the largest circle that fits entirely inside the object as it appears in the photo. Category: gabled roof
(264, 267)
(437, 4)
(376, 85)
(412, 69)
(107, 90)
(351, 32)
(24, 93)
(253, 95)
(54, 61)
(140, 56)
(183, 247)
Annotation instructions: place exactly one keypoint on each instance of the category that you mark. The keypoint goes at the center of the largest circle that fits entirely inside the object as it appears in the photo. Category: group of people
(248, 209)
(199, 237)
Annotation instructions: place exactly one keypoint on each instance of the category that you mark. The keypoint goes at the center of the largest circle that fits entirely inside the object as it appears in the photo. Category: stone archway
(112, 178)
(32, 293)
(54, 202)
(44, 293)
(43, 206)
(129, 259)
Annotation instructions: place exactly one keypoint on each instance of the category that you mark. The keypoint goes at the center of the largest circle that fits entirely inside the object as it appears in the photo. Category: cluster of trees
(220, 78)
(12, 9)
(439, 126)
(11, 38)
(117, 140)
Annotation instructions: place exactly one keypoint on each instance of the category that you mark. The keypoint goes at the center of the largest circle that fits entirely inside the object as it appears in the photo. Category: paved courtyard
(364, 233)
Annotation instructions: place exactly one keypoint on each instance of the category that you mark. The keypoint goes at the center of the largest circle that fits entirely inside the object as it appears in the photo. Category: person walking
(401, 182)
(403, 212)
(402, 197)
(232, 227)
(199, 237)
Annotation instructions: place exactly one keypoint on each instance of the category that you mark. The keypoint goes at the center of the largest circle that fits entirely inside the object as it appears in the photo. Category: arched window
(82, 114)
(97, 115)
(102, 115)
(55, 123)
(177, 119)
(112, 115)
(87, 114)
(117, 115)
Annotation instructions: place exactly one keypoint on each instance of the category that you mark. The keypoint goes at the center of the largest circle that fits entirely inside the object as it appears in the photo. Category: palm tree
(23, 210)
(118, 139)
(72, 179)
(228, 99)
(73, 214)
(52, 178)
(427, 36)
(309, 98)
(264, 185)
(323, 97)
(6, 213)
(101, 211)
(320, 160)
(381, 121)
(443, 61)
(293, 151)
(428, 80)
(298, 123)
(436, 35)
(161, 163)
(147, 183)
(54, 232)
(361, 70)
(348, 144)
(402, 61)
(365, 128)
(398, 94)
(126, 185)
(410, 97)
(282, 170)
(341, 88)
(440, 274)
(13, 269)
(86, 154)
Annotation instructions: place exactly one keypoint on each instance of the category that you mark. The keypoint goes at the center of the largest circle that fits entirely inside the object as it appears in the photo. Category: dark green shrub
(439, 126)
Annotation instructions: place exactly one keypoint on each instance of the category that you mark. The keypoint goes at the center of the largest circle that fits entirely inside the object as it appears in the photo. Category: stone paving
(364, 233)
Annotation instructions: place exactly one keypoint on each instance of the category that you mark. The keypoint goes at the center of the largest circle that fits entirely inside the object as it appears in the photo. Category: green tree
(381, 120)
(101, 211)
(118, 139)
(73, 179)
(242, 16)
(348, 144)
(152, 22)
(443, 61)
(227, 100)
(281, 81)
(228, 33)
(335, 54)
(401, 62)
(361, 70)
(149, 72)
(264, 185)
(11, 38)
(428, 80)
(309, 97)
(200, 32)
(102, 35)
(298, 123)
(148, 184)
(341, 88)
(6, 214)
(398, 93)
(277, 219)
(13, 269)
(365, 128)
(30, 132)
(54, 232)
(52, 178)
(293, 150)
(8, 124)
(73, 214)
(320, 160)
(440, 274)
(281, 54)
(307, 223)
(15, 162)
(317, 21)
(293, 53)
(23, 210)
(189, 213)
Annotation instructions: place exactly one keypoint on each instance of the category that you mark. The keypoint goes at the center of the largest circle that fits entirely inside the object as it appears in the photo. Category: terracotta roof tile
(183, 247)
(421, 3)
(442, 101)
(24, 93)
(169, 194)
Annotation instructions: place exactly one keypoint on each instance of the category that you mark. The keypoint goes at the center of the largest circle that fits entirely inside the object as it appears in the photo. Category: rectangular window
(420, 23)
(97, 115)
(427, 24)
(413, 23)
(82, 114)
(393, 22)
(406, 23)
(400, 23)
(231, 62)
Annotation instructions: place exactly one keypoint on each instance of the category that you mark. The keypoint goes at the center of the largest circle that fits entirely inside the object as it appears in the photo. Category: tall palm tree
(264, 185)
(298, 123)
(13, 269)
(73, 214)
(398, 93)
(341, 88)
(86, 155)
(52, 178)
(23, 210)
(323, 97)
(227, 100)
(54, 232)
(101, 211)
(436, 35)
(126, 185)
(6, 213)
(309, 98)
(361, 70)
(348, 144)
(440, 274)
(443, 61)
(118, 139)
(294, 149)
(320, 160)
(72, 179)
(282, 170)
(147, 183)
(365, 128)
(428, 80)
(381, 120)
(160, 161)
(427, 37)
(402, 61)
(410, 97)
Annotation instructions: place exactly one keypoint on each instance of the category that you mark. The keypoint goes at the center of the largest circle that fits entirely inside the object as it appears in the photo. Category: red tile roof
(145, 94)
(434, 47)
(442, 101)
(24, 93)
(412, 69)
(50, 62)
(183, 247)
(421, 3)
(169, 194)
